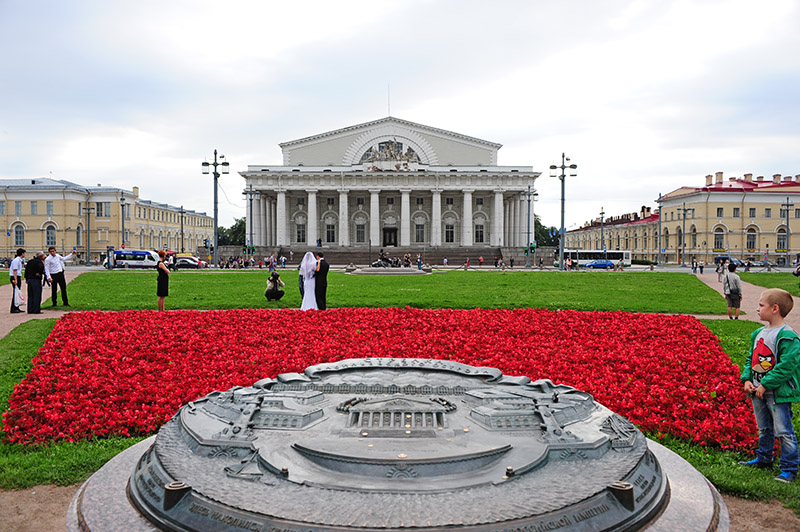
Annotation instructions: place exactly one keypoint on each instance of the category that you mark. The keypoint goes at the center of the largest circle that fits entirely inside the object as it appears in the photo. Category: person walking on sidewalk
(54, 271)
(15, 273)
(732, 287)
(34, 277)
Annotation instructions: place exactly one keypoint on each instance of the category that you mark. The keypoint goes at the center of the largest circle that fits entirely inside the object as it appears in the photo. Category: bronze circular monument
(405, 444)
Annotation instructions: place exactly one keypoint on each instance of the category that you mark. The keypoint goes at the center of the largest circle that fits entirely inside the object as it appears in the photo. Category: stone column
(405, 217)
(267, 221)
(526, 219)
(497, 230)
(436, 218)
(344, 218)
(522, 228)
(374, 218)
(311, 226)
(281, 220)
(466, 219)
(257, 225)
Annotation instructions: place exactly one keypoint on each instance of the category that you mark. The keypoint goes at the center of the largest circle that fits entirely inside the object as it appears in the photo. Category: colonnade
(506, 217)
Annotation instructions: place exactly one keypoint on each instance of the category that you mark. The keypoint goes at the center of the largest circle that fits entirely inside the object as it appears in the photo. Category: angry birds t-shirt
(765, 353)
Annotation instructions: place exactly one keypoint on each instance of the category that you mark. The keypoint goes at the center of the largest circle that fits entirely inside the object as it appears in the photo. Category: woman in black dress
(162, 289)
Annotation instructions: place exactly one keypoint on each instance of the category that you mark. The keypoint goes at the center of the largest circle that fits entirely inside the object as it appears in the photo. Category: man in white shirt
(54, 271)
(15, 272)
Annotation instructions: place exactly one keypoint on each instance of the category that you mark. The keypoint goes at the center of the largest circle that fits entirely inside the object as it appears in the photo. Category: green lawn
(784, 280)
(640, 292)
(68, 463)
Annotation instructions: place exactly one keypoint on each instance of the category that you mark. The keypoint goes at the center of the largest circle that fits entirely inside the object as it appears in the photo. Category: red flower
(128, 372)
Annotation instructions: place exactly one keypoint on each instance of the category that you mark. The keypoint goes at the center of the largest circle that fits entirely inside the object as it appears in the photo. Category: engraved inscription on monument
(390, 444)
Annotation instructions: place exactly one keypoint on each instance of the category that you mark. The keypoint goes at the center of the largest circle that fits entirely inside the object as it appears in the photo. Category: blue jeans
(775, 420)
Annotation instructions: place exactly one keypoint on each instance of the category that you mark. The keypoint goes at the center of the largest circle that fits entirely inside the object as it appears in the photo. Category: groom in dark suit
(321, 279)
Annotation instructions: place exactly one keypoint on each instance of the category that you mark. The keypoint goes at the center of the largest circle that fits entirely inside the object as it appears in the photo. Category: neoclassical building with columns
(388, 183)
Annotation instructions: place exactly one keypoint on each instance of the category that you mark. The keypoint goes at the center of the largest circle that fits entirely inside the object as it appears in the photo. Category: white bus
(134, 258)
(582, 256)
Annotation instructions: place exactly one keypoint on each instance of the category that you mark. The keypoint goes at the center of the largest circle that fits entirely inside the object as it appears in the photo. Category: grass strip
(636, 292)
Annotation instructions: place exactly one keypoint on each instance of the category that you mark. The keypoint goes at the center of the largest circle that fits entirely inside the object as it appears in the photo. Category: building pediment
(385, 143)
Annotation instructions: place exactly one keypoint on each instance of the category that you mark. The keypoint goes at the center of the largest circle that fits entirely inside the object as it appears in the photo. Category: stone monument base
(102, 504)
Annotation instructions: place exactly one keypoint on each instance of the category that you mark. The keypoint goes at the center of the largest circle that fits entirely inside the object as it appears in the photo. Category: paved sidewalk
(9, 321)
(750, 296)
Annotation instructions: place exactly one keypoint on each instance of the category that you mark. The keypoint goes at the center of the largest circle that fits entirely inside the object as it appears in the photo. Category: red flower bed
(128, 372)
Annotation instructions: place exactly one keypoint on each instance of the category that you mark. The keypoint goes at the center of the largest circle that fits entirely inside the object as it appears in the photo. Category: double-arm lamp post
(554, 173)
(224, 166)
(602, 236)
(531, 195)
(251, 195)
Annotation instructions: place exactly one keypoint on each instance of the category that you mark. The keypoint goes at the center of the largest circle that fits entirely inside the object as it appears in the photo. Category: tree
(233, 236)
(541, 234)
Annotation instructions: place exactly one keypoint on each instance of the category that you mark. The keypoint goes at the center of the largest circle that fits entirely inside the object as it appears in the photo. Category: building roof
(392, 119)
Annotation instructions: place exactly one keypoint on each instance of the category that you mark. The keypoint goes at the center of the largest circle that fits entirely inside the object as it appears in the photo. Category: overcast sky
(645, 96)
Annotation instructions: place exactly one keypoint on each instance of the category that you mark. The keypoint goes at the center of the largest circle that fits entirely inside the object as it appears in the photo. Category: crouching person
(274, 285)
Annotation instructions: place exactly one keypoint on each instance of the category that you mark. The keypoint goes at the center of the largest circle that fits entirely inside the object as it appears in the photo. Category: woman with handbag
(732, 287)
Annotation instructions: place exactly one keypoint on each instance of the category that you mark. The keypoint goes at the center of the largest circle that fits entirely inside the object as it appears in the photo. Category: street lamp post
(658, 240)
(554, 173)
(786, 206)
(529, 195)
(122, 208)
(225, 169)
(683, 235)
(602, 236)
(89, 211)
(182, 211)
(250, 196)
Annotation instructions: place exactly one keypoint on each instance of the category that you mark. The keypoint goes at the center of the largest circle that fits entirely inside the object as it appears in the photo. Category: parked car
(732, 260)
(187, 263)
(600, 263)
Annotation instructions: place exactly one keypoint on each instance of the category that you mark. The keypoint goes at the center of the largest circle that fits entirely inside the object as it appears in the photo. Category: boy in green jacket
(771, 376)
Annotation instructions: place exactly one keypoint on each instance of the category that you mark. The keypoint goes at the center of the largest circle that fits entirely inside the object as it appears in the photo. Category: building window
(784, 213)
(694, 237)
(719, 212)
(478, 201)
(49, 207)
(18, 208)
(50, 236)
(2, 208)
(767, 213)
(420, 201)
(644, 241)
(448, 201)
(736, 212)
(331, 202)
(359, 201)
(671, 216)
(361, 230)
(19, 236)
(635, 241)
(781, 239)
(479, 233)
(449, 233)
(301, 202)
(419, 233)
(753, 212)
(797, 213)
(79, 237)
(330, 233)
(666, 239)
(751, 239)
(301, 232)
(626, 241)
(719, 239)
(34, 208)
(390, 201)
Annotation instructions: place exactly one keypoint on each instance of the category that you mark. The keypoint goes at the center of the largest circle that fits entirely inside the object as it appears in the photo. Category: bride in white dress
(307, 269)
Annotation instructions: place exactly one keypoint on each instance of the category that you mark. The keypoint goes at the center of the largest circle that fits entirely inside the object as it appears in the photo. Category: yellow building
(38, 213)
(748, 218)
